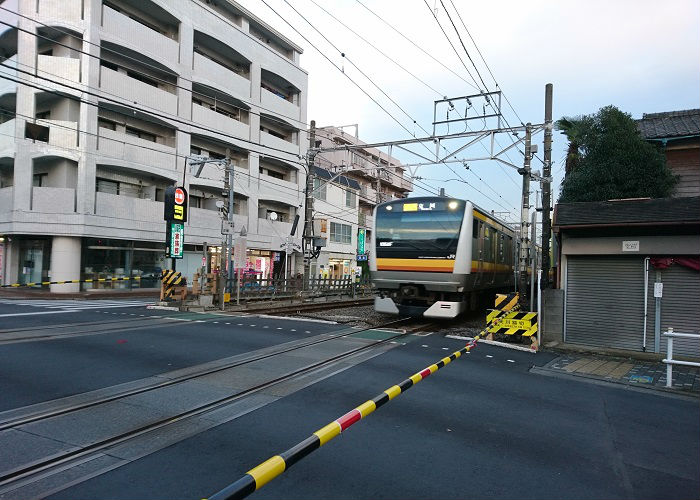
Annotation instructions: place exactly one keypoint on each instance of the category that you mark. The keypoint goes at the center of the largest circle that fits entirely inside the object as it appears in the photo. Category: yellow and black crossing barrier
(507, 319)
(65, 282)
(258, 476)
(171, 280)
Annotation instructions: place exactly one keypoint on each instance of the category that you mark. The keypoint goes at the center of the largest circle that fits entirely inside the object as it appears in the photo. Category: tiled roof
(637, 211)
(670, 124)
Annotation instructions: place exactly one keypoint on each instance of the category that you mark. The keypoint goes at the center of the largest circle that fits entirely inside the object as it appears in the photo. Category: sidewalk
(646, 373)
(44, 294)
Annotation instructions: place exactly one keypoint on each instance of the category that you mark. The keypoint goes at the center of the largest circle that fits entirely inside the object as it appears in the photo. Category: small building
(678, 133)
(629, 270)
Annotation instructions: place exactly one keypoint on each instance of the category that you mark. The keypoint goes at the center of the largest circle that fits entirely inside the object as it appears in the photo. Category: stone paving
(627, 371)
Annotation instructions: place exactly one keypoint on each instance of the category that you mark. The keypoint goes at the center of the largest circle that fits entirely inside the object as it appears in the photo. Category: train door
(478, 251)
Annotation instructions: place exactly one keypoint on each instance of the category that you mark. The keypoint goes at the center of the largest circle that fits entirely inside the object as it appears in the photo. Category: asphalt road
(483, 426)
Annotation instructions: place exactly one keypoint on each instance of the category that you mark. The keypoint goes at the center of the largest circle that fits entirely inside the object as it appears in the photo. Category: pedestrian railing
(253, 288)
(670, 335)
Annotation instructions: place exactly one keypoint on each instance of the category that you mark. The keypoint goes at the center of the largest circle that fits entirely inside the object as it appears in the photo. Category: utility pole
(524, 213)
(309, 208)
(546, 185)
(229, 242)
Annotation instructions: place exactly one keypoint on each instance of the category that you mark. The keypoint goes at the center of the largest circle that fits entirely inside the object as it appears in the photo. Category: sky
(642, 56)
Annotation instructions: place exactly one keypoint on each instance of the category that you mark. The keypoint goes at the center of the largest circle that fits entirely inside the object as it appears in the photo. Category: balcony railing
(7, 135)
(277, 143)
(6, 196)
(9, 69)
(62, 134)
(217, 121)
(70, 12)
(220, 77)
(136, 34)
(135, 150)
(53, 200)
(127, 208)
(62, 69)
(137, 92)
(275, 103)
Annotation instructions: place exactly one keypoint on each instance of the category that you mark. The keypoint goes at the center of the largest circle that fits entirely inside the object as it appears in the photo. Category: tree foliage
(608, 159)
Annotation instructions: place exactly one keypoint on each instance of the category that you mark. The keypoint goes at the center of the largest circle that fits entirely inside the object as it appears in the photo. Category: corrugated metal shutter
(680, 308)
(605, 302)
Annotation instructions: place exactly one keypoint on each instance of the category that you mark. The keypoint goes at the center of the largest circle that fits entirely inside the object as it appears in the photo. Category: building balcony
(142, 38)
(267, 227)
(9, 69)
(61, 69)
(276, 104)
(60, 10)
(271, 141)
(405, 184)
(62, 134)
(368, 195)
(271, 188)
(205, 225)
(6, 198)
(222, 123)
(53, 200)
(127, 208)
(7, 137)
(217, 76)
(134, 150)
(136, 92)
(365, 221)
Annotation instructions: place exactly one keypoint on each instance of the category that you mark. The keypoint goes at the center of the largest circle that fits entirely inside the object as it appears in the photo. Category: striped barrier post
(170, 280)
(64, 282)
(258, 476)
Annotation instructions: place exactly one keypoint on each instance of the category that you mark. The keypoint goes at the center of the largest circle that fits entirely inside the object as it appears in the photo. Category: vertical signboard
(360, 241)
(177, 240)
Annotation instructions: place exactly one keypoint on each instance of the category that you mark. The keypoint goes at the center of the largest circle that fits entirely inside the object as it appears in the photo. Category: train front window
(419, 230)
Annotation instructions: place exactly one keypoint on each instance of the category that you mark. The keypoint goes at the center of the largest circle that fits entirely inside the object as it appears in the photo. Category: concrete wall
(552, 317)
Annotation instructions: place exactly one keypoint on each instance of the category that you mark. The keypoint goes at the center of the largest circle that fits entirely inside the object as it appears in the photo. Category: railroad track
(49, 469)
(309, 306)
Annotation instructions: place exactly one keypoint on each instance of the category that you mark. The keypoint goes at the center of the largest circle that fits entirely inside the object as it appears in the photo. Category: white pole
(646, 293)
(539, 307)
(669, 357)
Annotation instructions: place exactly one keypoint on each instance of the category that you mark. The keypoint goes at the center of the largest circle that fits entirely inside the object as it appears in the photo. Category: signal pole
(547, 185)
(309, 208)
(524, 213)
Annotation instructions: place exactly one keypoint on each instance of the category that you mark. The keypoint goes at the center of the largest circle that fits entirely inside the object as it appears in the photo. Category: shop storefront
(109, 258)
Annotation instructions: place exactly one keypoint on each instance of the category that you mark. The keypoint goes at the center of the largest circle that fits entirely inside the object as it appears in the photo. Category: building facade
(360, 179)
(102, 102)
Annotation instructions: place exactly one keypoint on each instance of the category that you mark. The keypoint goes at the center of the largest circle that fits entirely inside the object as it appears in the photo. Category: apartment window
(141, 134)
(44, 115)
(119, 188)
(319, 189)
(272, 173)
(350, 199)
(216, 156)
(46, 52)
(107, 186)
(109, 65)
(273, 133)
(194, 150)
(108, 124)
(195, 201)
(341, 233)
(40, 180)
(142, 78)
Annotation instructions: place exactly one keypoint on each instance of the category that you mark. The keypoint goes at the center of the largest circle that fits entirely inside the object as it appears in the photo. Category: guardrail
(670, 335)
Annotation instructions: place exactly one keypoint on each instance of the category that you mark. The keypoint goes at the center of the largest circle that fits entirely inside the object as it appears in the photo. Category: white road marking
(33, 313)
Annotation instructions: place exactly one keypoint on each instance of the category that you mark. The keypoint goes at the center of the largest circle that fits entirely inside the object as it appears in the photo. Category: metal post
(533, 257)
(669, 357)
(524, 213)
(309, 209)
(546, 185)
(229, 242)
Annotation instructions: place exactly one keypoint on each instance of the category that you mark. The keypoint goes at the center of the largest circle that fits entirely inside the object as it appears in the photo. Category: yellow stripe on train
(436, 265)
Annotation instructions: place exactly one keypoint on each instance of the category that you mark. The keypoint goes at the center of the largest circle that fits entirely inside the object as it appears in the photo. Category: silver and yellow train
(436, 256)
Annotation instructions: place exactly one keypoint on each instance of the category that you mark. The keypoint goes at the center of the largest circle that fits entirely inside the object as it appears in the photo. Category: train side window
(475, 229)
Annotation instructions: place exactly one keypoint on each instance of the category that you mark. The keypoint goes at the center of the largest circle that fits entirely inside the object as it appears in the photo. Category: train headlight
(389, 207)
(452, 205)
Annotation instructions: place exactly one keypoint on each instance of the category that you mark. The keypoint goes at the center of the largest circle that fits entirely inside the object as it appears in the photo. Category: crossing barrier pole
(258, 476)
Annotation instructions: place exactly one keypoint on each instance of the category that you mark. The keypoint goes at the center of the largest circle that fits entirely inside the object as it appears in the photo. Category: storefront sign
(177, 240)
(239, 253)
(175, 206)
(361, 258)
(361, 241)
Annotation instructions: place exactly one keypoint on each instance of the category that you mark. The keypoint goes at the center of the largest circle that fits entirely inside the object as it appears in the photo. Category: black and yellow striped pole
(258, 476)
(64, 282)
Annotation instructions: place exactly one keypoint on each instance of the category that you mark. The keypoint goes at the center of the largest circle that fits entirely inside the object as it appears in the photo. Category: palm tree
(572, 128)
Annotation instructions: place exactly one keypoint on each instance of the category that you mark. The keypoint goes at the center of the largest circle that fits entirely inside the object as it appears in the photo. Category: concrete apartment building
(357, 181)
(84, 166)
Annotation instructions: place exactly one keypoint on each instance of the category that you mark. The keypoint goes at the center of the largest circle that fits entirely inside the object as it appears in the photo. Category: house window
(319, 189)
(141, 134)
(108, 124)
(341, 233)
(350, 199)
(40, 180)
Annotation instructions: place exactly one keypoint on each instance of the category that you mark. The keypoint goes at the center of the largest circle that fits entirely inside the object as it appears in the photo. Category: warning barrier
(172, 280)
(64, 282)
(507, 319)
(258, 476)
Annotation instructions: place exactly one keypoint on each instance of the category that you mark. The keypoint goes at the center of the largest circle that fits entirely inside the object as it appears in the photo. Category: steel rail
(23, 473)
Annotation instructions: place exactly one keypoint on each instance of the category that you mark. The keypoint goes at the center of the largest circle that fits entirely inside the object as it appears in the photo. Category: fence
(252, 288)
(670, 334)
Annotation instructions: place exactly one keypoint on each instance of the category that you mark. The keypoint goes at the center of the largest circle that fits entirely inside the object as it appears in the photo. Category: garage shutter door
(680, 308)
(605, 301)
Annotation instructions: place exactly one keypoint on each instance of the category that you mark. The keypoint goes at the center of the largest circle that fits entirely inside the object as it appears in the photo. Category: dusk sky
(641, 56)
